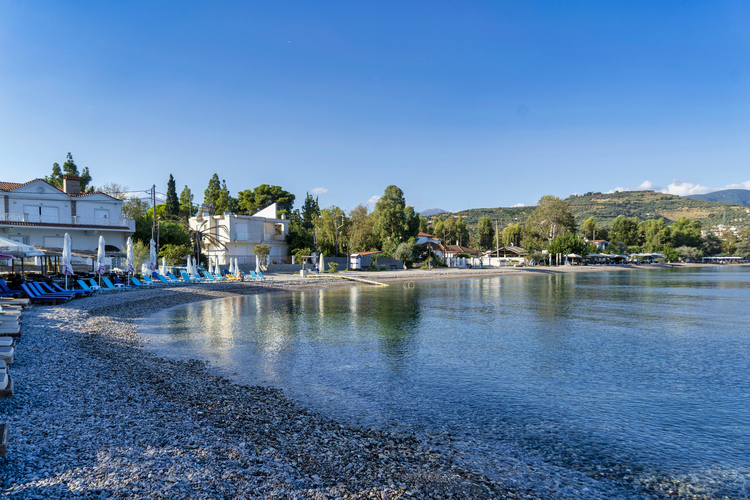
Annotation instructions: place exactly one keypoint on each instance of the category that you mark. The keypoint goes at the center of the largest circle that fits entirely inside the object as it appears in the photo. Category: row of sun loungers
(10, 329)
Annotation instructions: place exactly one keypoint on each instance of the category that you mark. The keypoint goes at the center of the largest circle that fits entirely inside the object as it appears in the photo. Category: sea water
(629, 377)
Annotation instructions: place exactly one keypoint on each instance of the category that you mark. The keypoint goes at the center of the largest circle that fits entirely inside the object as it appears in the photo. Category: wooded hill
(643, 205)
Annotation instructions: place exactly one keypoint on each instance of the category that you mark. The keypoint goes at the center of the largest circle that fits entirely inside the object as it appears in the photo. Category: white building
(39, 214)
(239, 234)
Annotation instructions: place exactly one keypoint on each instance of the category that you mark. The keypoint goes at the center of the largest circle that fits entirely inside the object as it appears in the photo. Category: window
(40, 214)
(101, 214)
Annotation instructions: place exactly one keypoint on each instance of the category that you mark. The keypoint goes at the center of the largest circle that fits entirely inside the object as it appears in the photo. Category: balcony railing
(73, 220)
(243, 236)
(273, 237)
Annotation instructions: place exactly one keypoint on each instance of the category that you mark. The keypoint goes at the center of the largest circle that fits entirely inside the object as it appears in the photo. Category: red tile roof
(366, 253)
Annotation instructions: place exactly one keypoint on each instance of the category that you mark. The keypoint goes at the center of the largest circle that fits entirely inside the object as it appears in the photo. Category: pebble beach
(96, 415)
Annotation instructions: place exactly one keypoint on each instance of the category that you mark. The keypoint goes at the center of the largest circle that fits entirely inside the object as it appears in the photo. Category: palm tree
(205, 236)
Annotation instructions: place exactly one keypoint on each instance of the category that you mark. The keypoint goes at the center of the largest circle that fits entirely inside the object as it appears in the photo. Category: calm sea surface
(629, 377)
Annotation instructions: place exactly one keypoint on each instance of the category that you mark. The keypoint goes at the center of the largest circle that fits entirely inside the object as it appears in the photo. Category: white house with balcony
(238, 235)
(39, 214)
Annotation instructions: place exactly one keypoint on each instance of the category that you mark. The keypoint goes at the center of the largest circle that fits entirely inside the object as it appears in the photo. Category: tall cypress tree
(172, 205)
(211, 194)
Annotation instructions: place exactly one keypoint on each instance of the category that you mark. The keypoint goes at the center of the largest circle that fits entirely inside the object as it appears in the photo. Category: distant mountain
(433, 211)
(643, 205)
(733, 196)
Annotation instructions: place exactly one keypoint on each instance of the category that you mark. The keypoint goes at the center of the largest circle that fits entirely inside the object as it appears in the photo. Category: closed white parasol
(67, 258)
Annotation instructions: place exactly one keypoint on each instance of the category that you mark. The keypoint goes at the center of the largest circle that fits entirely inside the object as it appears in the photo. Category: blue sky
(460, 104)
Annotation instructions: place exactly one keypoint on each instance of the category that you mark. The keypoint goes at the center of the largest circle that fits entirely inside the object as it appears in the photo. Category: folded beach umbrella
(322, 266)
(129, 267)
(257, 265)
(152, 256)
(67, 257)
(231, 266)
(163, 270)
(100, 259)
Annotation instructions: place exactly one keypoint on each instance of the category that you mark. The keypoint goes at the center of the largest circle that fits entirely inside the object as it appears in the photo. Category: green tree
(187, 207)
(141, 253)
(654, 234)
(212, 192)
(710, 245)
(743, 249)
(512, 235)
(405, 252)
(486, 231)
(172, 204)
(70, 168)
(686, 232)
(551, 218)
(55, 178)
(262, 251)
(691, 253)
(395, 222)
(224, 202)
(134, 207)
(174, 254)
(362, 236)
(624, 230)
(567, 243)
(260, 197)
(424, 225)
(332, 227)
(310, 211)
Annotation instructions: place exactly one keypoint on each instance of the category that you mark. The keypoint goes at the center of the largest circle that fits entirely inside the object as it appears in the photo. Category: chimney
(71, 184)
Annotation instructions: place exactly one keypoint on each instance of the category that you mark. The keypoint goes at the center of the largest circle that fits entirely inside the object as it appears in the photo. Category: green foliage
(333, 267)
(453, 230)
(743, 249)
(395, 222)
(299, 253)
(172, 205)
(710, 245)
(310, 211)
(55, 178)
(362, 237)
(405, 252)
(551, 218)
(251, 201)
(224, 202)
(187, 207)
(566, 244)
(654, 234)
(141, 253)
(670, 253)
(624, 230)
(512, 235)
(686, 232)
(174, 254)
(424, 225)
(211, 194)
(133, 208)
(332, 227)
(262, 250)
(689, 253)
(298, 237)
(486, 232)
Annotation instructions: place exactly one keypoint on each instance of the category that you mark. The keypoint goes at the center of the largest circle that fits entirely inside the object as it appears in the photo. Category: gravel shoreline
(96, 415)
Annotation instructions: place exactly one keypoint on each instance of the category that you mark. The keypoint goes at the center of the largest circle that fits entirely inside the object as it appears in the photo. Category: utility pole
(153, 207)
(497, 242)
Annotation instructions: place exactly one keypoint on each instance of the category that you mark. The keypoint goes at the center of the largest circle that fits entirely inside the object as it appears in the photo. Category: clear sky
(460, 104)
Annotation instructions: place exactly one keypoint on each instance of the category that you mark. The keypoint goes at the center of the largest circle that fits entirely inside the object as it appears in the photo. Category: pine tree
(55, 178)
(85, 180)
(211, 194)
(186, 203)
(172, 205)
(69, 167)
(310, 211)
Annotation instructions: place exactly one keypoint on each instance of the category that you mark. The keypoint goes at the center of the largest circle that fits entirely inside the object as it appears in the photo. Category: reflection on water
(643, 373)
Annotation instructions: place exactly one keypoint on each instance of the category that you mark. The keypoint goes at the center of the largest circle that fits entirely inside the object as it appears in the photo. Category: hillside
(733, 196)
(433, 211)
(641, 204)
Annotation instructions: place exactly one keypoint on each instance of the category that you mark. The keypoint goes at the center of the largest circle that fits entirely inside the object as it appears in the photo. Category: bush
(333, 267)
